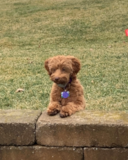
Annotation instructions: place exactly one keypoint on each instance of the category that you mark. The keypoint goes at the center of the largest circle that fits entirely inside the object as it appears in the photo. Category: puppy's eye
(63, 70)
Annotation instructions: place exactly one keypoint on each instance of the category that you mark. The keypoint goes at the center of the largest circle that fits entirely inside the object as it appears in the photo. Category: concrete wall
(86, 135)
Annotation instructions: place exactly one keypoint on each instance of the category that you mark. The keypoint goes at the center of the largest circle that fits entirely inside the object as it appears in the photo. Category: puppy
(67, 94)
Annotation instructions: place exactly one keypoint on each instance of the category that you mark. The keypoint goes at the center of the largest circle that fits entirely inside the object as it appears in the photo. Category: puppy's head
(62, 68)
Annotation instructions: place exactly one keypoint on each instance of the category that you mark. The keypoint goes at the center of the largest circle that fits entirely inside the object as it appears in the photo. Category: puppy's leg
(70, 108)
(53, 108)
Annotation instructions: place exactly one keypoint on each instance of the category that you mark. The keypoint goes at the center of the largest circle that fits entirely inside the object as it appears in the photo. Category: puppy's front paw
(64, 114)
(52, 112)
(53, 108)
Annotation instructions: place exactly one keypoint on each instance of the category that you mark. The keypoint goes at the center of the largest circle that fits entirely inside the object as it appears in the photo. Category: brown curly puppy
(67, 95)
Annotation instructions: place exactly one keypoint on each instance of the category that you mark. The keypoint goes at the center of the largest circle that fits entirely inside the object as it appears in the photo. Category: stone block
(85, 128)
(17, 127)
(40, 153)
(105, 154)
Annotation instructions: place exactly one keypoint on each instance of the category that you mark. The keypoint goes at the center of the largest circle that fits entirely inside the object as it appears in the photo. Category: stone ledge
(17, 127)
(40, 153)
(85, 128)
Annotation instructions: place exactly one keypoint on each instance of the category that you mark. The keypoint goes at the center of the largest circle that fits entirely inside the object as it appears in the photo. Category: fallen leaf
(20, 90)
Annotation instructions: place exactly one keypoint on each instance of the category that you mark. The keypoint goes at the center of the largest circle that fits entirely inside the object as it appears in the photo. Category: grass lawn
(91, 30)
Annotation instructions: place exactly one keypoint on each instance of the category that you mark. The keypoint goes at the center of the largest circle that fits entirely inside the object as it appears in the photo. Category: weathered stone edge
(35, 125)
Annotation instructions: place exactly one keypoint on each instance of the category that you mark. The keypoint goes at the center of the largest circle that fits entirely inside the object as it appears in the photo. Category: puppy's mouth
(59, 81)
(61, 84)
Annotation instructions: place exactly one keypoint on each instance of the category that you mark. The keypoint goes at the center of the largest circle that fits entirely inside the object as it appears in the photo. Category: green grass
(91, 30)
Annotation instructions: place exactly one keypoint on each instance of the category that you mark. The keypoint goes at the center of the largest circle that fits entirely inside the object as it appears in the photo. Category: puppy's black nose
(56, 78)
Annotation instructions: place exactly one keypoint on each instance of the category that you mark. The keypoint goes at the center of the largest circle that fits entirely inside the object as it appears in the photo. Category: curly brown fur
(61, 69)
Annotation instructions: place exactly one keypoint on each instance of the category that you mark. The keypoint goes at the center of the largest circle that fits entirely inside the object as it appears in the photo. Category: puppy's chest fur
(75, 90)
(64, 101)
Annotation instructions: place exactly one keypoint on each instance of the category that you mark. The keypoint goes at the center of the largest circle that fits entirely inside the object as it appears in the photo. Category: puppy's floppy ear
(76, 65)
(46, 66)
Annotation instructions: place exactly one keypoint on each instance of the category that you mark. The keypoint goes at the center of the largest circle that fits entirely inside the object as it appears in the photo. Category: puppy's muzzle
(56, 79)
